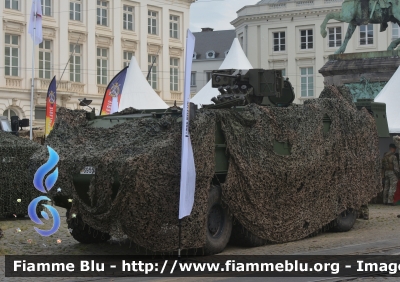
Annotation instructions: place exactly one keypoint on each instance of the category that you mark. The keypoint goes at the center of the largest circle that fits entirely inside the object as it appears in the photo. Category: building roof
(218, 41)
(271, 1)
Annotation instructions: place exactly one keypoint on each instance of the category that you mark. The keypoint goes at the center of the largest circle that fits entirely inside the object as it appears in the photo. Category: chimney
(207, 29)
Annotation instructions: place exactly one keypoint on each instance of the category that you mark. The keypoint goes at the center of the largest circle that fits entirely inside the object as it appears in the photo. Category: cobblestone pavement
(383, 225)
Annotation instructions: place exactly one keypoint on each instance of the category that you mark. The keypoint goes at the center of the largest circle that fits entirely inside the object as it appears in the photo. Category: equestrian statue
(362, 12)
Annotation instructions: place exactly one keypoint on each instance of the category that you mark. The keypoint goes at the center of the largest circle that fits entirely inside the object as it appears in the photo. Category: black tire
(85, 234)
(219, 223)
(244, 238)
(345, 221)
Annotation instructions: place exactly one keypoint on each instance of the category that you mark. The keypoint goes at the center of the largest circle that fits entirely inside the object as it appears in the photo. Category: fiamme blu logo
(49, 184)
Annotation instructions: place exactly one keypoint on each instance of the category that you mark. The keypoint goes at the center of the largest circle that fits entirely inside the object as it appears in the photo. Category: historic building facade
(286, 35)
(97, 38)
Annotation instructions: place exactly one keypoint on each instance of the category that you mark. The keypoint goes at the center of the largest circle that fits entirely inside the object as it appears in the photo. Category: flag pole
(179, 238)
(72, 53)
(33, 70)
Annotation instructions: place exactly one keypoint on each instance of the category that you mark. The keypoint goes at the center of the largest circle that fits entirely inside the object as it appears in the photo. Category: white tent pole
(33, 71)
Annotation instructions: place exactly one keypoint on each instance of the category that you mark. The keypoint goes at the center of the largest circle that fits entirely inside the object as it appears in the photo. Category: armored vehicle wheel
(85, 234)
(345, 221)
(219, 223)
(244, 238)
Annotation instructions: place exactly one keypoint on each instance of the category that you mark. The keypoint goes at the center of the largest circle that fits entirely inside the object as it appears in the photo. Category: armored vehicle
(267, 170)
(16, 189)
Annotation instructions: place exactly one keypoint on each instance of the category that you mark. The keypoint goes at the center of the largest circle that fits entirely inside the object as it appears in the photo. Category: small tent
(236, 59)
(390, 95)
(137, 92)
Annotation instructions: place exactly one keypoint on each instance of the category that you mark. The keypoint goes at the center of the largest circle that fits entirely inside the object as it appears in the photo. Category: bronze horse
(361, 12)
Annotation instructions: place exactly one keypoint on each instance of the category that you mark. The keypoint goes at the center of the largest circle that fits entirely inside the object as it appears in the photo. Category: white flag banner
(35, 27)
(188, 170)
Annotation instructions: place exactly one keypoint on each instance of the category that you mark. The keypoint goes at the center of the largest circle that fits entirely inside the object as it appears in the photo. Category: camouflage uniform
(364, 212)
(390, 170)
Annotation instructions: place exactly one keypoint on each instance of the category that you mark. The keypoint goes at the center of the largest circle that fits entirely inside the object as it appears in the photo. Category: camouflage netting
(37, 135)
(16, 183)
(396, 141)
(145, 154)
(285, 198)
(278, 198)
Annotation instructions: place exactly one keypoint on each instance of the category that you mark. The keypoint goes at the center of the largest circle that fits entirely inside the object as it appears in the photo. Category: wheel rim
(215, 220)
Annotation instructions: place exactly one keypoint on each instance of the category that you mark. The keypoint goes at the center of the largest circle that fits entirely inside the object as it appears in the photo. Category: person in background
(396, 197)
(390, 170)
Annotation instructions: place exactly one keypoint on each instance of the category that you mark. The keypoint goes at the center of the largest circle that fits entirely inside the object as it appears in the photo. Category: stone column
(164, 77)
(90, 67)
(142, 34)
(117, 11)
(61, 42)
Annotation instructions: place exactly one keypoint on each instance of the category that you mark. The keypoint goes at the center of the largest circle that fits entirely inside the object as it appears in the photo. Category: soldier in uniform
(364, 212)
(390, 170)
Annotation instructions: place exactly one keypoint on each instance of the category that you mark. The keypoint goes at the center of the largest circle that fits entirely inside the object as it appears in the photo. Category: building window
(46, 7)
(75, 63)
(241, 39)
(279, 41)
(210, 54)
(193, 79)
(11, 55)
(75, 10)
(40, 113)
(283, 72)
(307, 82)
(152, 22)
(152, 61)
(335, 36)
(395, 31)
(12, 4)
(306, 39)
(102, 66)
(127, 57)
(366, 34)
(174, 26)
(9, 113)
(129, 17)
(45, 49)
(102, 13)
(208, 76)
(174, 74)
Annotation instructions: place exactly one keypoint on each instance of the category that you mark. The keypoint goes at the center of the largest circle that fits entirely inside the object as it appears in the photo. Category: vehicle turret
(243, 87)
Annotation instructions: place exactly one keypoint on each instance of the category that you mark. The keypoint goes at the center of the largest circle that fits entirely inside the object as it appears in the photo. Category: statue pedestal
(365, 74)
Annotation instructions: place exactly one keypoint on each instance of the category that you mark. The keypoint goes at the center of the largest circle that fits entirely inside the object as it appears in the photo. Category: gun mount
(242, 87)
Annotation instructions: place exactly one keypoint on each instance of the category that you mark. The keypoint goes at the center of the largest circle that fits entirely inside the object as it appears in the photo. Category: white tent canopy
(137, 92)
(236, 59)
(390, 95)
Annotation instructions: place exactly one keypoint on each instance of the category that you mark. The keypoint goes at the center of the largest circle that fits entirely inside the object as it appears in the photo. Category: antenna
(154, 61)
(72, 53)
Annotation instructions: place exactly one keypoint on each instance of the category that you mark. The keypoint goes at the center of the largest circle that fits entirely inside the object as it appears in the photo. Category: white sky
(216, 14)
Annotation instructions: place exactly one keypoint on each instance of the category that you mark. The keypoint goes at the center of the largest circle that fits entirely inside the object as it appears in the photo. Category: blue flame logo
(49, 183)
(44, 169)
